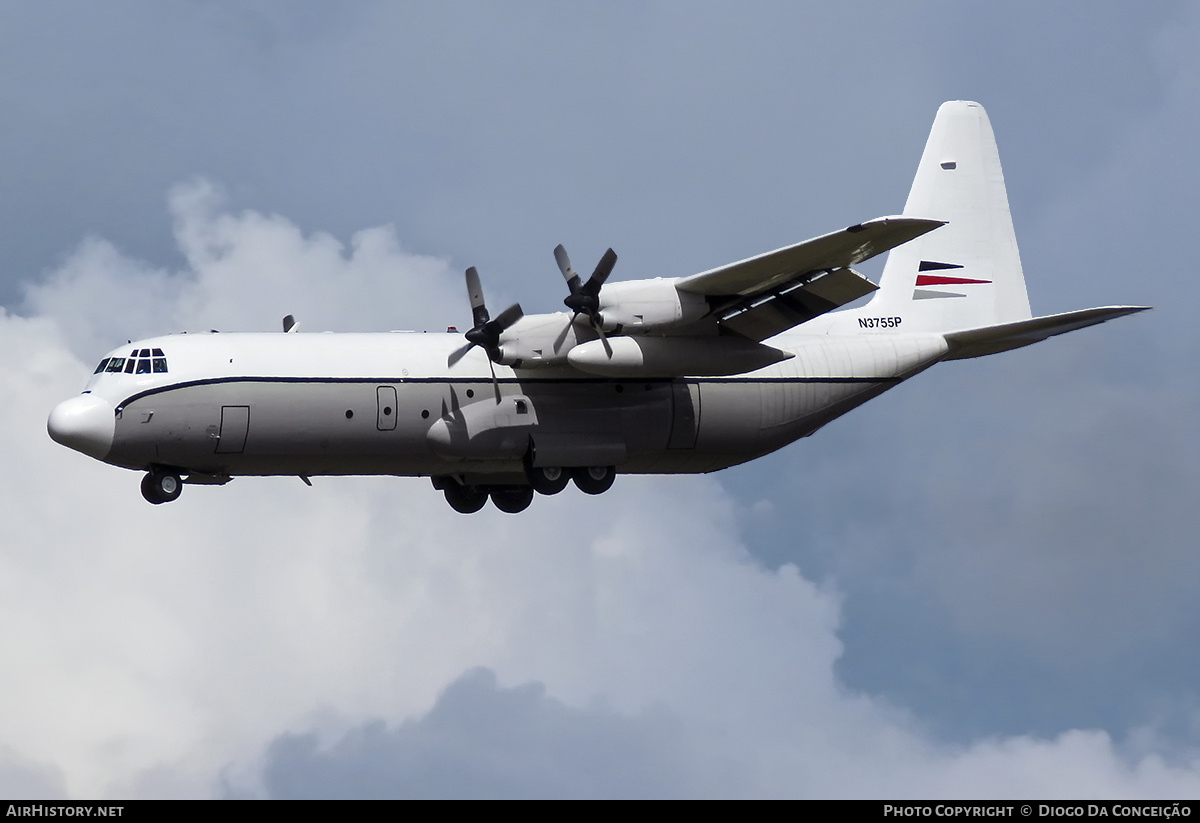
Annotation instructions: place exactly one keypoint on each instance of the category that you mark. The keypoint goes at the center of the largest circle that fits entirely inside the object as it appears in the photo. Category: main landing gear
(161, 485)
(594, 479)
(463, 499)
(512, 499)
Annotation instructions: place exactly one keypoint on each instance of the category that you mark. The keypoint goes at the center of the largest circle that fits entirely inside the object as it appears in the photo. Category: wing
(764, 295)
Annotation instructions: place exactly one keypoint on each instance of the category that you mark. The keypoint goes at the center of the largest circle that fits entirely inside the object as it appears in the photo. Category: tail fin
(966, 274)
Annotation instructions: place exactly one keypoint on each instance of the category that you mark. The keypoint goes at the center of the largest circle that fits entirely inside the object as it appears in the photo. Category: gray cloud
(187, 638)
(1008, 539)
(482, 740)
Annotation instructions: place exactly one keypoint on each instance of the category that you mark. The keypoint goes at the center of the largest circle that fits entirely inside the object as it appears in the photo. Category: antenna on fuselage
(290, 324)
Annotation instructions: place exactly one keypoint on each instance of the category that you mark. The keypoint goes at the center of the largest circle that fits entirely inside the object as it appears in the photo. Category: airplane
(658, 376)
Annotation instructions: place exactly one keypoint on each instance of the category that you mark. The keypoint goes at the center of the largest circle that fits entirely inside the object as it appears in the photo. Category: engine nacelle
(541, 340)
(641, 306)
(636, 307)
(673, 356)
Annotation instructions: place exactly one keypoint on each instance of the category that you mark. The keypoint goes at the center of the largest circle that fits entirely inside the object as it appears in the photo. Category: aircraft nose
(85, 424)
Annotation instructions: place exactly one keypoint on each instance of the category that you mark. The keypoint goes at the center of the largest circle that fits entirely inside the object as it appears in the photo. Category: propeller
(585, 297)
(487, 331)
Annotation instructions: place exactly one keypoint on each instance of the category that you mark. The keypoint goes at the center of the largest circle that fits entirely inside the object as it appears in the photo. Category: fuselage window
(129, 366)
(160, 365)
(144, 353)
(143, 366)
(100, 368)
(116, 364)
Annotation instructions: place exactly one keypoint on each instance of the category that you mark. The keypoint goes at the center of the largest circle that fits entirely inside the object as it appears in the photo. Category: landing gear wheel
(512, 499)
(161, 486)
(547, 479)
(594, 479)
(464, 499)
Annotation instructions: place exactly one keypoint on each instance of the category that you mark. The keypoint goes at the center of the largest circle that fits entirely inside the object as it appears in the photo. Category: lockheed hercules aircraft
(660, 376)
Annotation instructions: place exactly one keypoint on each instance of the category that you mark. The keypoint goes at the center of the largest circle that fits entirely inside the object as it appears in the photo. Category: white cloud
(160, 650)
(244, 273)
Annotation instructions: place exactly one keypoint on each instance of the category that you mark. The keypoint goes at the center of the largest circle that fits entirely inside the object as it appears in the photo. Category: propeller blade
(562, 335)
(479, 312)
(507, 317)
(574, 281)
(603, 269)
(603, 340)
(495, 382)
(458, 354)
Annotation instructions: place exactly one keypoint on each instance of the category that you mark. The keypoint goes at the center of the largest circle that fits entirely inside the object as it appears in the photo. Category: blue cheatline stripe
(212, 381)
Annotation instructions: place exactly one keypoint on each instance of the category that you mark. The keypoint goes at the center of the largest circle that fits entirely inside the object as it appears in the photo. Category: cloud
(269, 638)
(244, 272)
(484, 740)
(481, 740)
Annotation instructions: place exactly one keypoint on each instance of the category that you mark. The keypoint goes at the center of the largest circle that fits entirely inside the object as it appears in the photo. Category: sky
(980, 584)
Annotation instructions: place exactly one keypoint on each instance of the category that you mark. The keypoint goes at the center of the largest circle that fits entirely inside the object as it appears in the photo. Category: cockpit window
(140, 361)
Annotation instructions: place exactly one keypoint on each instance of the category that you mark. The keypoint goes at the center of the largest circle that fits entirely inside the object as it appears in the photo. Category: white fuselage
(336, 404)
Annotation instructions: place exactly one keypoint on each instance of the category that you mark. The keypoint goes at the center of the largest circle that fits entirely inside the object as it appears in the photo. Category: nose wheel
(161, 486)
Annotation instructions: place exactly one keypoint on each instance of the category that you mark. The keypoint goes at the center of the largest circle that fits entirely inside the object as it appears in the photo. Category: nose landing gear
(161, 485)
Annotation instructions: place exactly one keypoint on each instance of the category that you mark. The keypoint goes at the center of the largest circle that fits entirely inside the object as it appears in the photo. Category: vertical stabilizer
(966, 274)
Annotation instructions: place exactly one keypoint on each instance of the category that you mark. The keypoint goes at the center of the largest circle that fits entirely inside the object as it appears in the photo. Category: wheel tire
(464, 499)
(148, 490)
(512, 499)
(547, 479)
(594, 479)
(161, 486)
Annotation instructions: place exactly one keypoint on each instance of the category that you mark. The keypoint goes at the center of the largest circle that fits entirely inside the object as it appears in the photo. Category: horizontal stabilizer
(776, 269)
(993, 339)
